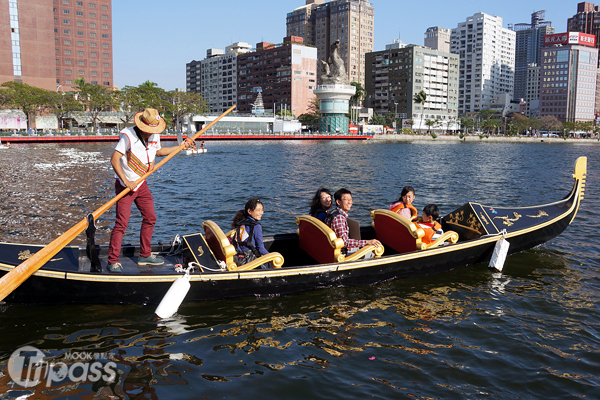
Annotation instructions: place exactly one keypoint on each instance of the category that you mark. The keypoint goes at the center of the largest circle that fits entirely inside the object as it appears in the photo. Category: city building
(528, 48)
(568, 76)
(438, 38)
(487, 61)
(351, 22)
(532, 94)
(50, 43)
(284, 75)
(587, 20)
(504, 104)
(396, 74)
(215, 77)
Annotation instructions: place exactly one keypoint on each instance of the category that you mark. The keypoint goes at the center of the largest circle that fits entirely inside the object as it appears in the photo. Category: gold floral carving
(200, 251)
(483, 218)
(24, 255)
(474, 223)
(471, 222)
(455, 218)
(508, 221)
(540, 214)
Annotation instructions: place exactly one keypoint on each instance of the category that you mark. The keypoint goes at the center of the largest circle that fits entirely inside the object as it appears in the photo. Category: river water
(532, 331)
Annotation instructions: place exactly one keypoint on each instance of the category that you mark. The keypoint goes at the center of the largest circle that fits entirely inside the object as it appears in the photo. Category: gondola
(77, 274)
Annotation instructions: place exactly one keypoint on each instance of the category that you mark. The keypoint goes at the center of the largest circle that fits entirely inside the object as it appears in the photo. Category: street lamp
(395, 114)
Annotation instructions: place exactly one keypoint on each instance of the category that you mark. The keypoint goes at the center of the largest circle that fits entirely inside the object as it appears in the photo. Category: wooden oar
(18, 275)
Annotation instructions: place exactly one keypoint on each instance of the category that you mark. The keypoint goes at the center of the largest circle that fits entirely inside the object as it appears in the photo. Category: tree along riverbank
(483, 139)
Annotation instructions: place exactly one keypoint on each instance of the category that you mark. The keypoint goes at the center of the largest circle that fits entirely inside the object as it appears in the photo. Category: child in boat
(248, 238)
(429, 224)
(321, 202)
(403, 205)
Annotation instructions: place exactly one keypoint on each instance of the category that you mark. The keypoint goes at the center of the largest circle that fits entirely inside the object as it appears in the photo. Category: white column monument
(334, 94)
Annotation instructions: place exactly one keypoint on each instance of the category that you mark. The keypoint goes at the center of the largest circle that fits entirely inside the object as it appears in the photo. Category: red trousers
(145, 203)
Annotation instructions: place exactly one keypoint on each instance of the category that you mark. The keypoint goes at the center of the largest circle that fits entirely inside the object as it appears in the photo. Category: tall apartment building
(215, 77)
(487, 61)
(396, 74)
(528, 48)
(284, 75)
(50, 43)
(568, 76)
(532, 93)
(351, 22)
(438, 38)
(587, 20)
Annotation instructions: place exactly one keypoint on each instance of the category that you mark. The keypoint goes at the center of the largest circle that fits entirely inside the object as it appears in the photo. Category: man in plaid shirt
(338, 222)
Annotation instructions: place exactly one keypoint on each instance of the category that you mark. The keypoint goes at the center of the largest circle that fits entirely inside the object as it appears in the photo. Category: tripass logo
(27, 367)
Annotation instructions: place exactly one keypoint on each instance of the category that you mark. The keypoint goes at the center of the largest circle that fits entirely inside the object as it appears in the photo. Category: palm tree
(356, 99)
(429, 123)
(421, 98)
(467, 123)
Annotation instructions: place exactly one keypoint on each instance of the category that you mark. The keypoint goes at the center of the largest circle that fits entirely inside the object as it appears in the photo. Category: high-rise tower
(50, 43)
(349, 21)
(487, 61)
(528, 49)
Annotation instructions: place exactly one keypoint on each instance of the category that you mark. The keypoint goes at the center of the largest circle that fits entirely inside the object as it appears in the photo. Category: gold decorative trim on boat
(508, 221)
(540, 214)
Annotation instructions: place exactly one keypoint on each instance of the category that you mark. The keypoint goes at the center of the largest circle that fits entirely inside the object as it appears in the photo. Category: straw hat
(150, 121)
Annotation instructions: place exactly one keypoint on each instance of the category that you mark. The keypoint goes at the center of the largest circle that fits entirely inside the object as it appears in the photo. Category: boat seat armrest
(275, 258)
(449, 236)
(377, 250)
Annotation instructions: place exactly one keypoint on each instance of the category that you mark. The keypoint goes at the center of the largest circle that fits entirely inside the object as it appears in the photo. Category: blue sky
(153, 40)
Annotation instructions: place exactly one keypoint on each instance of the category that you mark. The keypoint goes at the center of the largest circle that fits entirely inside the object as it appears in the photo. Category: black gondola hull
(68, 278)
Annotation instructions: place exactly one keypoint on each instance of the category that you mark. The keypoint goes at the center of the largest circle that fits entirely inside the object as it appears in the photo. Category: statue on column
(334, 71)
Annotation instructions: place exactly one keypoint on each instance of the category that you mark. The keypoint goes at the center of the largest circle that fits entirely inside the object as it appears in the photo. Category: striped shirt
(139, 158)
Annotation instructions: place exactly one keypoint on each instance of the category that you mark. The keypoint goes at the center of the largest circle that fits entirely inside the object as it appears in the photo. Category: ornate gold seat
(321, 243)
(402, 235)
(224, 250)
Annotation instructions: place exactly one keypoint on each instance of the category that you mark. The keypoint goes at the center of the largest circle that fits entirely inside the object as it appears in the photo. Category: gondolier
(134, 156)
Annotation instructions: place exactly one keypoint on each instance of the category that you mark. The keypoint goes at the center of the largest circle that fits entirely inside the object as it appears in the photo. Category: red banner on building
(570, 38)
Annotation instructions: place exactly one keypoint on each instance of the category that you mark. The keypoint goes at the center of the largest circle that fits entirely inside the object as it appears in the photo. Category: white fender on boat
(500, 252)
(174, 297)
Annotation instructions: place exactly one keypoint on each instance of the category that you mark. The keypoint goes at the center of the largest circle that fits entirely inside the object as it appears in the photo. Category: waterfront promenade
(74, 138)
(483, 139)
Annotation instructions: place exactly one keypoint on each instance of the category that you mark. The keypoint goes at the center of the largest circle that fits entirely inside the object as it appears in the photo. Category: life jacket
(395, 207)
(430, 231)
(243, 237)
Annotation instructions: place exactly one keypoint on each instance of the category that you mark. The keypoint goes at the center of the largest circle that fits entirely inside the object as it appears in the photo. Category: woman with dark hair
(248, 238)
(320, 204)
(403, 205)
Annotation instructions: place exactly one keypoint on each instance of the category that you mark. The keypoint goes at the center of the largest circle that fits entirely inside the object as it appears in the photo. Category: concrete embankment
(477, 139)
